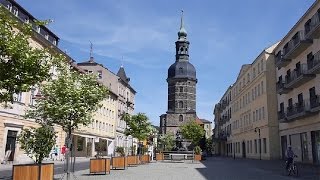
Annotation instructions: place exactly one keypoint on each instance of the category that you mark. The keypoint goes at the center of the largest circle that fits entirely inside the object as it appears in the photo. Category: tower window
(181, 70)
(180, 89)
(180, 104)
(180, 118)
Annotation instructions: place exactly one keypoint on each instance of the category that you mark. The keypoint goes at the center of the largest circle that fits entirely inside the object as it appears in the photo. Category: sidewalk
(8, 166)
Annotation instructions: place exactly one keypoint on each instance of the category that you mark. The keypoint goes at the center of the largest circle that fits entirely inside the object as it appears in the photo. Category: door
(295, 142)
(315, 140)
(304, 147)
(283, 146)
(11, 143)
(243, 149)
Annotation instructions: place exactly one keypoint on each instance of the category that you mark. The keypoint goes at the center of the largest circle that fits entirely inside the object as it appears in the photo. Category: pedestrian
(56, 152)
(63, 152)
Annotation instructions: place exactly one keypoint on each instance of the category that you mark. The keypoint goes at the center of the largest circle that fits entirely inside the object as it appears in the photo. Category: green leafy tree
(22, 66)
(209, 145)
(192, 131)
(138, 126)
(120, 150)
(166, 141)
(68, 101)
(37, 142)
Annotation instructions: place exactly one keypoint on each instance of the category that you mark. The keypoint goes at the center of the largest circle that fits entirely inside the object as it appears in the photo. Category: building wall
(297, 132)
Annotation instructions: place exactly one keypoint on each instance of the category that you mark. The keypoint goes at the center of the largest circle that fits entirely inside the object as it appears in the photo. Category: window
(32, 96)
(263, 113)
(262, 90)
(257, 115)
(180, 118)
(180, 89)
(264, 145)
(250, 146)
(248, 77)
(99, 74)
(255, 147)
(80, 143)
(181, 70)
(17, 97)
(254, 72)
(255, 92)
(258, 68)
(260, 114)
(254, 116)
(180, 104)
(258, 89)
(252, 94)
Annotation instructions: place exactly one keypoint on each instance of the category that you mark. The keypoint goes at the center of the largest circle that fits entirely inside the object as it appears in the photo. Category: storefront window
(80, 143)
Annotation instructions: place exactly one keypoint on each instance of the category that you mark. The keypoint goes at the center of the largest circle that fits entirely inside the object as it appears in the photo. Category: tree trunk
(69, 147)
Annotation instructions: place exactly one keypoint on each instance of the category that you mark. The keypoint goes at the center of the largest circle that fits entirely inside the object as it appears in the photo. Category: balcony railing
(298, 77)
(281, 89)
(281, 61)
(298, 110)
(296, 45)
(315, 103)
(313, 30)
(314, 64)
(281, 116)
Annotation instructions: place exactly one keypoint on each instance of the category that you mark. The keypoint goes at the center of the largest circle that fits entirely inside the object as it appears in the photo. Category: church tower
(181, 87)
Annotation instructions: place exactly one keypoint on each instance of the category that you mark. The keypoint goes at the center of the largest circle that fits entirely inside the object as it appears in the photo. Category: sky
(141, 35)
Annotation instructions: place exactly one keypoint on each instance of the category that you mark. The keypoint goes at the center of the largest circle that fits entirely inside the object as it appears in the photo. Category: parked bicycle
(292, 169)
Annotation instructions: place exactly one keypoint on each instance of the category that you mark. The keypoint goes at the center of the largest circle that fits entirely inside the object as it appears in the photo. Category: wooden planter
(145, 158)
(197, 157)
(33, 171)
(159, 156)
(101, 165)
(133, 160)
(119, 162)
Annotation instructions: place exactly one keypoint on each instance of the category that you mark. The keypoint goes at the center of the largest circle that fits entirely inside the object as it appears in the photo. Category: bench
(178, 156)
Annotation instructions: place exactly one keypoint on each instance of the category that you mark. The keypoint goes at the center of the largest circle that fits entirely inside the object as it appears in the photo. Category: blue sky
(223, 36)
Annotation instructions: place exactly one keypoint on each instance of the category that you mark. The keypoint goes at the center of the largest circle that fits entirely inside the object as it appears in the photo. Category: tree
(166, 141)
(68, 101)
(22, 66)
(209, 145)
(138, 126)
(37, 142)
(192, 131)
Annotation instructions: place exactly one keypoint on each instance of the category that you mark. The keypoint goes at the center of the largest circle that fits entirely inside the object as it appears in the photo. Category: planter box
(33, 171)
(197, 157)
(101, 165)
(145, 158)
(119, 162)
(133, 160)
(159, 156)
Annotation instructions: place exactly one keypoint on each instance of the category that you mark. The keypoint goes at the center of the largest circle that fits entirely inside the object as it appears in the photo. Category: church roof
(182, 69)
(122, 74)
(205, 121)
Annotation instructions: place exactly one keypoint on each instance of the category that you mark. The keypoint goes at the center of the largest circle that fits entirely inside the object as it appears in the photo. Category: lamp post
(258, 130)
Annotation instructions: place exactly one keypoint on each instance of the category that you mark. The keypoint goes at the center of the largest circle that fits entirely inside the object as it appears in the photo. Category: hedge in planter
(100, 165)
(197, 153)
(120, 161)
(37, 143)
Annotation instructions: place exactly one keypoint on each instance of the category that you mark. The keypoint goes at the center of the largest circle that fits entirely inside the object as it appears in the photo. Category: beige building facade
(246, 116)
(298, 87)
(11, 120)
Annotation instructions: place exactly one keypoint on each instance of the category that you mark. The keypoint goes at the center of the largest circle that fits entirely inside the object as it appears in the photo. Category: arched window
(180, 89)
(181, 50)
(180, 104)
(180, 70)
(180, 118)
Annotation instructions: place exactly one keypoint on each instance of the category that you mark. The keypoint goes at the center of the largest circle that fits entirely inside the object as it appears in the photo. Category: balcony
(296, 45)
(281, 89)
(298, 77)
(313, 30)
(299, 110)
(314, 64)
(280, 61)
(281, 116)
(315, 103)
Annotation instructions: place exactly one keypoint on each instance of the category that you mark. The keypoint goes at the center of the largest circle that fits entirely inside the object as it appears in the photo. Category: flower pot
(133, 160)
(159, 157)
(100, 165)
(197, 157)
(145, 158)
(119, 162)
(33, 171)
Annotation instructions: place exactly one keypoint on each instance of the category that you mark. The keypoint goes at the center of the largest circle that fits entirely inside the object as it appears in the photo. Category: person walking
(290, 155)
(63, 152)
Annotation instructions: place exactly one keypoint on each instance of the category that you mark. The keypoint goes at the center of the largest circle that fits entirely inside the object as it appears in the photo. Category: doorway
(11, 143)
(283, 146)
(315, 141)
(243, 149)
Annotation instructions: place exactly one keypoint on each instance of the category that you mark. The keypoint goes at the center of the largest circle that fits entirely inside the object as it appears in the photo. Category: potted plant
(145, 158)
(37, 143)
(99, 164)
(197, 153)
(133, 159)
(120, 161)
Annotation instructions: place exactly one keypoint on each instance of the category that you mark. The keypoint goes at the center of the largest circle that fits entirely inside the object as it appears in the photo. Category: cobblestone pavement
(214, 168)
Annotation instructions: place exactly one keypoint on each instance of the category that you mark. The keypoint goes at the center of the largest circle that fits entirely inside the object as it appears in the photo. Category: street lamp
(258, 130)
